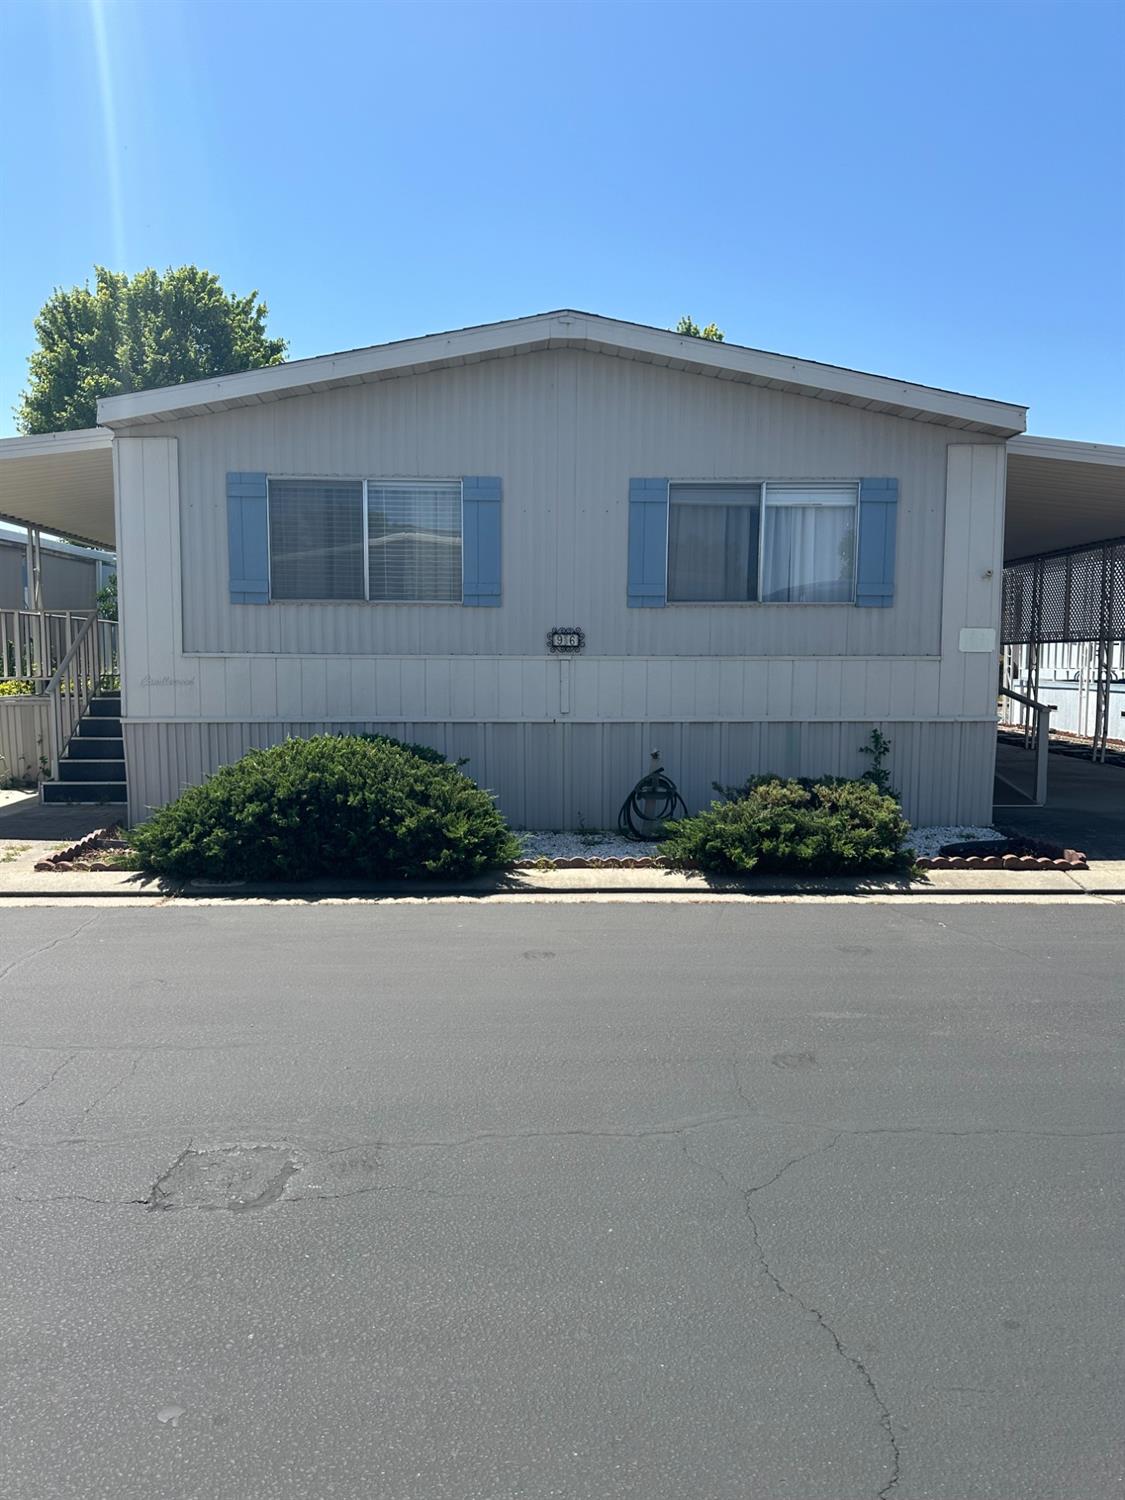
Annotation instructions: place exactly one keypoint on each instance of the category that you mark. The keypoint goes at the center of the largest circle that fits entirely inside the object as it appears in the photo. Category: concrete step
(92, 770)
(100, 747)
(108, 707)
(100, 725)
(84, 791)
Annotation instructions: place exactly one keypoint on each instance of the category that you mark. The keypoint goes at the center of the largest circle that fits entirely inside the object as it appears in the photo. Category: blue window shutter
(249, 539)
(648, 543)
(875, 558)
(480, 512)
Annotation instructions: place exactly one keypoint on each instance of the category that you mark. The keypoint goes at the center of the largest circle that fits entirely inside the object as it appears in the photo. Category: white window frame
(763, 486)
(401, 483)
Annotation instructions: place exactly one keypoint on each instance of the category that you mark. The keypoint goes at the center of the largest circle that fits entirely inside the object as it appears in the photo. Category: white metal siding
(565, 430)
(574, 775)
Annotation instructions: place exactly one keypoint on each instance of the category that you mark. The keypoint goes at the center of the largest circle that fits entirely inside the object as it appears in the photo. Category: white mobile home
(753, 560)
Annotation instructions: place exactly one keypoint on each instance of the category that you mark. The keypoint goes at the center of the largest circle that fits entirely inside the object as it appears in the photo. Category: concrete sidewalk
(20, 880)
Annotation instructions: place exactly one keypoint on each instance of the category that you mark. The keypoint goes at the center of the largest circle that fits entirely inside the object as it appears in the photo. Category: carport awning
(61, 482)
(1062, 494)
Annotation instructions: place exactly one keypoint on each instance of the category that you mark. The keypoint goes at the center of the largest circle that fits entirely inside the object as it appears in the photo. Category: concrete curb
(1106, 878)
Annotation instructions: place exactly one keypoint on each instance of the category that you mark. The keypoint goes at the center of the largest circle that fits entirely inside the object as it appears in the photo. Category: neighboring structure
(750, 561)
(70, 576)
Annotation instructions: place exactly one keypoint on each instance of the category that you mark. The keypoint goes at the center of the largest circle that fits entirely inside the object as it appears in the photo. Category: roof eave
(564, 330)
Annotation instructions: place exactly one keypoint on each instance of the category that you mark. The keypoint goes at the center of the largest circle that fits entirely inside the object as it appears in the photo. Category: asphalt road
(515, 1202)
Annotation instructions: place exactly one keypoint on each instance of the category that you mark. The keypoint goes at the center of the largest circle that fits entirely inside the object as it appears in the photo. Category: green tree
(107, 598)
(693, 330)
(131, 333)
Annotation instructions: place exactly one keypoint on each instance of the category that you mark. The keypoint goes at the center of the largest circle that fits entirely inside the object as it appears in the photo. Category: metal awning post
(33, 590)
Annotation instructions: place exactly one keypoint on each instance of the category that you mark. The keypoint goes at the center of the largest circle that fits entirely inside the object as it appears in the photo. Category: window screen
(414, 542)
(713, 542)
(808, 548)
(316, 539)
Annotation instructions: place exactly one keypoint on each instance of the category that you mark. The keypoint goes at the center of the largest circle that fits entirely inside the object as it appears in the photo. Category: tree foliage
(693, 330)
(107, 598)
(133, 333)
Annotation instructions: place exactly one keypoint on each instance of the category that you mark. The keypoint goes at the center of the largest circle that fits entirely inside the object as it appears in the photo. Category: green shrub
(340, 805)
(822, 828)
(14, 688)
(423, 752)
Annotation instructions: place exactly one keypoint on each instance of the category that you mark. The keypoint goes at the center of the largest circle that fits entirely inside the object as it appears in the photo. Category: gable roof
(566, 329)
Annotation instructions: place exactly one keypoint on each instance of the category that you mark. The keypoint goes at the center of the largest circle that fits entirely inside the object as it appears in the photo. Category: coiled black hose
(663, 797)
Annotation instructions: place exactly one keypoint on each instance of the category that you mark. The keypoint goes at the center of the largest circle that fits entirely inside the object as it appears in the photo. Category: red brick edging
(1071, 859)
(64, 858)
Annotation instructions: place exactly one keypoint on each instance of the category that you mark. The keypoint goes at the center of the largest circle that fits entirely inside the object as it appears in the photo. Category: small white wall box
(978, 638)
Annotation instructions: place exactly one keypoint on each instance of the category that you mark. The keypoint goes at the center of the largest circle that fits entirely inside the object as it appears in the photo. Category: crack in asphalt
(46, 1084)
(101, 1098)
(747, 1195)
(26, 958)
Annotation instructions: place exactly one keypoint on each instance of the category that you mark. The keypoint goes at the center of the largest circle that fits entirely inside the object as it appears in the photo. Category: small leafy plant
(342, 805)
(878, 747)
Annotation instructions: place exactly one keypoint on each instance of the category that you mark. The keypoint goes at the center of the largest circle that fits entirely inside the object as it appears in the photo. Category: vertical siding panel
(610, 689)
(903, 682)
(314, 687)
(337, 687)
(413, 690)
(706, 682)
(462, 699)
(659, 691)
(289, 696)
(634, 690)
(238, 687)
(510, 680)
(263, 687)
(878, 704)
(779, 689)
(533, 689)
(730, 702)
(388, 688)
(754, 689)
(829, 689)
(362, 693)
(486, 687)
(439, 689)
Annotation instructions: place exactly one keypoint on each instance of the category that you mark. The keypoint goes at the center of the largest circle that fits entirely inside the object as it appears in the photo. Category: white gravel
(588, 844)
(927, 841)
(598, 844)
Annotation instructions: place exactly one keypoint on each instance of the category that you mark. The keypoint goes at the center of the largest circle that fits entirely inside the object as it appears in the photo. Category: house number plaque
(566, 639)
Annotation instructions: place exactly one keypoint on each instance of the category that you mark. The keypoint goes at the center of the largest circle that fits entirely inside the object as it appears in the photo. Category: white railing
(33, 642)
(1039, 737)
(89, 665)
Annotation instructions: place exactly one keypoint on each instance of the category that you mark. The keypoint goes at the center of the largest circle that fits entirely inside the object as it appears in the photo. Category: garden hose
(651, 804)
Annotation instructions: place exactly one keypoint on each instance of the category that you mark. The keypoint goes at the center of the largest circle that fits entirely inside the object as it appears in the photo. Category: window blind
(414, 542)
(316, 539)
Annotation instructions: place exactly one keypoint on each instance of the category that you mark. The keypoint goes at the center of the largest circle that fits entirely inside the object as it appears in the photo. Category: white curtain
(809, 548)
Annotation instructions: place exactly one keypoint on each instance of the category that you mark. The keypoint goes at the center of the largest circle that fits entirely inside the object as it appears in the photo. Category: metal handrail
(34, 641)
(1023, 698)
(1043, 712)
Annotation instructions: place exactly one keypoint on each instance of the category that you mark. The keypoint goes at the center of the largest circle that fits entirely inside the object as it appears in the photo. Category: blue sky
(928, 191)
